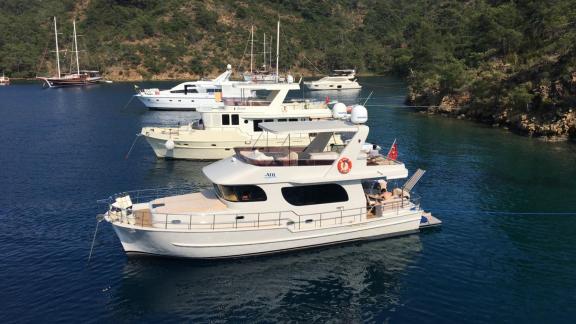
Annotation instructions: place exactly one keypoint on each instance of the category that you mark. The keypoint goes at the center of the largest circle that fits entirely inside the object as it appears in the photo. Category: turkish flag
(393, 153)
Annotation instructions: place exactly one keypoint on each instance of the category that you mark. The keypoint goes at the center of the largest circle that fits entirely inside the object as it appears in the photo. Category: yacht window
(256, 122)
(282, 120)
(293, 119)
(235, 119)
(268, 120)
(240, 193)
(184, 91)
(225, 119)
(315, 194)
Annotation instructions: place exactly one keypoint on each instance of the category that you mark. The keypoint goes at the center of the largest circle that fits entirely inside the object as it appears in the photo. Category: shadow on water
(347, 282)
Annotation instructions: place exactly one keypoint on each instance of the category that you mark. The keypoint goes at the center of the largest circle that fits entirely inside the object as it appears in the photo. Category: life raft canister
(344, 165)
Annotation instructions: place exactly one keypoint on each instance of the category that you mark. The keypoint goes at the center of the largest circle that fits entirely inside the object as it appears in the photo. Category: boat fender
(344, 165)
(169, 145)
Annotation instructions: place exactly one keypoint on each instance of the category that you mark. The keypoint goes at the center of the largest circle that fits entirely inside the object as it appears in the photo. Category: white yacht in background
(191, 95)
(4, 80)
(221, 129)
(338, 80)
(276, 199)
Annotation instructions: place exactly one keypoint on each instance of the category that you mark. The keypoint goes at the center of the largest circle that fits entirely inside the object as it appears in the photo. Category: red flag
(327, 100)
(393, 152)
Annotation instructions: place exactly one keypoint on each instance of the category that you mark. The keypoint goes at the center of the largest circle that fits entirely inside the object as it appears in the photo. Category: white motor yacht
(338, 80)
(192, 95)
(276, 199)
(219, 130)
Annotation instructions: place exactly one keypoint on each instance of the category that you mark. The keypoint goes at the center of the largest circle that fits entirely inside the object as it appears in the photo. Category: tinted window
(235, 119)
(225, 119)
(315, 194)
(240, 193)
(256, 128)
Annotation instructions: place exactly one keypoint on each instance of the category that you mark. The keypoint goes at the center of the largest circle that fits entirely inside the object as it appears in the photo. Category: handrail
(287, 219)
(137, 196)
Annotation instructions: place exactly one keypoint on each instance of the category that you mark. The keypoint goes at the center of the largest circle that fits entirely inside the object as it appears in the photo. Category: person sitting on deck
(374, 152)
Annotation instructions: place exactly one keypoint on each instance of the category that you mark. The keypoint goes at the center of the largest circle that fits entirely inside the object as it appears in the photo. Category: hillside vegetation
(503, 62)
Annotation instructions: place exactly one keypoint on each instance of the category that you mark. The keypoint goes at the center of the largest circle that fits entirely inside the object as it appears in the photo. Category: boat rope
(314, 66)
(368, 98)
(99, 219)
(129, 101)
(132, 146)
(502, 212)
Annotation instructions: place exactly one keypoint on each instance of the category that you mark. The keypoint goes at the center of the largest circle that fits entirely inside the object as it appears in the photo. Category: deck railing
(147, 195)
(287, 219)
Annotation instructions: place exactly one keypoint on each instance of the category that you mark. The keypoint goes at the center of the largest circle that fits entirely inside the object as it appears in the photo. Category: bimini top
(317, 126)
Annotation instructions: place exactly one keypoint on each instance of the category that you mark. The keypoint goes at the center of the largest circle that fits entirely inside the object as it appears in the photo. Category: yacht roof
(317, 126)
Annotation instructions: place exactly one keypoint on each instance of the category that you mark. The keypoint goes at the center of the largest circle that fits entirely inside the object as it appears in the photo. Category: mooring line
(501, 212)
(99, 219)
(128, 103)
(132, 146)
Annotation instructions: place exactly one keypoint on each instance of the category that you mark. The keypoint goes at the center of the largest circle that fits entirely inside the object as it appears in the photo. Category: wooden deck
(143, 217)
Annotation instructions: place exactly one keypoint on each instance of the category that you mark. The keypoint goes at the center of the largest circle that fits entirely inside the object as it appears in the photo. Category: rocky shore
(555, 121)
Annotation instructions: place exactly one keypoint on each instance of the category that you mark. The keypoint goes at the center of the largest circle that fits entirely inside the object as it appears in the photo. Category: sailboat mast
(57, 52)
(270, 51)
(277, 48)
(251, 47)
(264, 52)
(76, 48)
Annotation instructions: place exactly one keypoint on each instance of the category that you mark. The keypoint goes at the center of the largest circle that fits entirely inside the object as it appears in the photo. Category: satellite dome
(339, 111)
(359, 114)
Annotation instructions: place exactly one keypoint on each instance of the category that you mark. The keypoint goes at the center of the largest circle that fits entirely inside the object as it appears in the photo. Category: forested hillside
(504, 62)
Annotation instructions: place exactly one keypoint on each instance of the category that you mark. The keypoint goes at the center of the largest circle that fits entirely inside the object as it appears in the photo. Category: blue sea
(490, 262)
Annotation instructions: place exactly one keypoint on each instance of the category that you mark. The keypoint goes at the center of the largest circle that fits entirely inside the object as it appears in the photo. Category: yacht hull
(218, 148)
(156, 102)
(240, 243)
(332, 86)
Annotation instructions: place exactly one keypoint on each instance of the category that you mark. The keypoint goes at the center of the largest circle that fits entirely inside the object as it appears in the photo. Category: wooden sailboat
(79, 78)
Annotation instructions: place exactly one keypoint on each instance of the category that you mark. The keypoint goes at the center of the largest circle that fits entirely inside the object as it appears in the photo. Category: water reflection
(341, 282)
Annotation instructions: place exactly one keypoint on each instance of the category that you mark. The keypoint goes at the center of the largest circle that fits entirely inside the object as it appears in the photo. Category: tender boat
(235, 123)
(338, 80)
(191, 95)
(276, 199)
(80, 77)
(4, 80)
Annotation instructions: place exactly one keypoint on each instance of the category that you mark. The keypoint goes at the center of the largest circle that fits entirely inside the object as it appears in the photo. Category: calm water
(62, 149)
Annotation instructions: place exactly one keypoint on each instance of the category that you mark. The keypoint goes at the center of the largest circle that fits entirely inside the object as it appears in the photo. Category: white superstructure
(274, 199)
(338, 80)
(221, 129)
(191, 95)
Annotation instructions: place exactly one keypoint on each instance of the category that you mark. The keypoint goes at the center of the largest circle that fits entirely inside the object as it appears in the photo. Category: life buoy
(344, 165)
